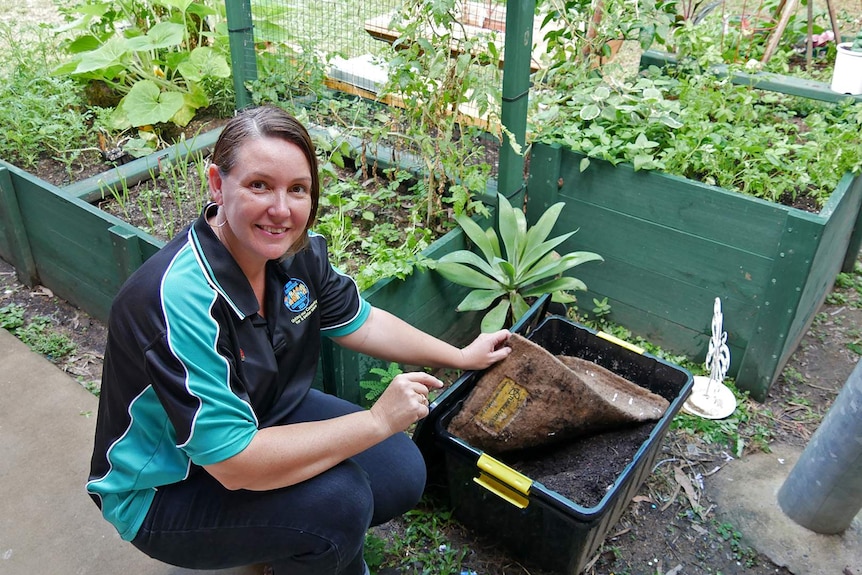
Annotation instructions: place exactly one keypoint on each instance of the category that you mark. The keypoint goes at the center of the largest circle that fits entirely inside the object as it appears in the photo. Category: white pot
(847, 74)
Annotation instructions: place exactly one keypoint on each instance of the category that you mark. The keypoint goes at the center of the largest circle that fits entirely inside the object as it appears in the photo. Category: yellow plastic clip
(620, 342)
(503, 481)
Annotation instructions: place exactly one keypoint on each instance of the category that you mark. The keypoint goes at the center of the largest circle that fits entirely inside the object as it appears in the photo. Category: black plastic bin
(537, 525)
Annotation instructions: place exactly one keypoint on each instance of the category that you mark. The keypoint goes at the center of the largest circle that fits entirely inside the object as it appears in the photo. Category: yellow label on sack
(503, 405)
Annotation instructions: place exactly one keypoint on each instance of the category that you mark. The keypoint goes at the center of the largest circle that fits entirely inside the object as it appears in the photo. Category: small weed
(733, 536)
(793, 375)
(36, 333)
(421, 547)
(836, 298)
(746, 430)
(11, 316)
(39, 336)
(374, 387)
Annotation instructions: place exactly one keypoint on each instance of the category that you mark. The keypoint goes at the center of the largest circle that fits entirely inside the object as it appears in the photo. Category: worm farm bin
(536, 524)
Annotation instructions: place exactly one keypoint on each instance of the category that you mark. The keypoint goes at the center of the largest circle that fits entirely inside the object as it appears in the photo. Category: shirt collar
(222, 271)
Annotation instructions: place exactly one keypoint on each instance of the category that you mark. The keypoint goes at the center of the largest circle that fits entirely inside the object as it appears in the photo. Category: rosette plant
(514, 268)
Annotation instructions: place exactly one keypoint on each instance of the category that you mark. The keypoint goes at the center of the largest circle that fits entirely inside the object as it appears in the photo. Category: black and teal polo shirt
(192, 371)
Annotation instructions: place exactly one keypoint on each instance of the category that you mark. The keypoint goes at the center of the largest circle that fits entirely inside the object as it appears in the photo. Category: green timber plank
(678, 255)
(780, 303)
(72, 246)
(711, 212)
(15, 245)
(674, 303)
(840, 219)
(854, 185)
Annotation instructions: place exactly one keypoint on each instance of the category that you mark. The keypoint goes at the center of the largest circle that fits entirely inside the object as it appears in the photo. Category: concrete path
(48, 523)
(746, 495)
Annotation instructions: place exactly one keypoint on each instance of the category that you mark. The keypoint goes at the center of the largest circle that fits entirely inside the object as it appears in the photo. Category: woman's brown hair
(268, 122)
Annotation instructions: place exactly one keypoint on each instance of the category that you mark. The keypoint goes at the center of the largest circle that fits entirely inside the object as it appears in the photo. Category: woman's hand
(405, 400)
(486, 350)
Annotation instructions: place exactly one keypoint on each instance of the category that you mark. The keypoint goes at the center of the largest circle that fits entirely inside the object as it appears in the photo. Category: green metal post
(243, 58)
(516, 90)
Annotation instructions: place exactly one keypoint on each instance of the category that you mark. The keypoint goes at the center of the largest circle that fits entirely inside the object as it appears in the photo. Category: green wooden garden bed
(671, 246)
(54, 237)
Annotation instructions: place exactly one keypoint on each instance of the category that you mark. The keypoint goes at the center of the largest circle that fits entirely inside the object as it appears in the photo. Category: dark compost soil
(584, 470)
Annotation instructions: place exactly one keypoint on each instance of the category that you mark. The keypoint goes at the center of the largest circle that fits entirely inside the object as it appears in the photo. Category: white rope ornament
(709, 397)
(718, 356)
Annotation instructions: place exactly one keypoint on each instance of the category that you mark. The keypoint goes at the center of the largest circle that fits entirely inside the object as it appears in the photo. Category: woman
(211, 448)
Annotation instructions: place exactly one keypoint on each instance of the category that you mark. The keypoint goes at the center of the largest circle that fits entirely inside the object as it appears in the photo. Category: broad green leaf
(542, 228)
(541, 251)
(519, 306)
(465, 276)
(513, 228)
(601, 93)
(495, 319)
(66, 68)
(83, 43)
(563, 297)
(146, 104)
(508, 270)
(191, 102)
(109, 54)
(204, 62)
(589, 112)
(642, 161)
(565, 283)
(469, 258)
(652, 95)
(550, 266)
(162, 35)
(670, 122)
(547, 266)
(478, 299)
(494, 242)
(477, 235)
(647, 35)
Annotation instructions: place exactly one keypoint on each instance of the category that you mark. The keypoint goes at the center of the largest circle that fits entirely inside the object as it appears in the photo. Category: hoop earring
(221, 224)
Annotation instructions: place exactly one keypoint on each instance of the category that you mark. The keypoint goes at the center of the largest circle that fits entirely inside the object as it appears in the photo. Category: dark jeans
(315, 527)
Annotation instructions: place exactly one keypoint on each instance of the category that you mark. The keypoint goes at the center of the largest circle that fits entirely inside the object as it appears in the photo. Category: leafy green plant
(580, 34)
(529, 267)
(705, 128)
(287, 74)
(423, 547)
(41, 338)
(11, 316)
(374, 388)
(363, 240)
(40, 115)
(37, 333)
(436, 70)
(159, 58)
(746, 430)
(856, 46)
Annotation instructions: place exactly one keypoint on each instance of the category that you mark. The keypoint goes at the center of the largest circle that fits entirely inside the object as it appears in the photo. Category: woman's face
(264, 202)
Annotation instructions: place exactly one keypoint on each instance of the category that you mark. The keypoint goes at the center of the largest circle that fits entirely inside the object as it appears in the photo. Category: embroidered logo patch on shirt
(295, 295)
